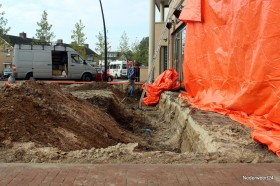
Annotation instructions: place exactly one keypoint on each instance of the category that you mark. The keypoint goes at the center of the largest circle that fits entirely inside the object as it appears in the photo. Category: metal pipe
(105, 42)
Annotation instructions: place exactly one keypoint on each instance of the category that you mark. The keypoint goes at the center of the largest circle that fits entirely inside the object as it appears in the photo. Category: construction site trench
(98, 123)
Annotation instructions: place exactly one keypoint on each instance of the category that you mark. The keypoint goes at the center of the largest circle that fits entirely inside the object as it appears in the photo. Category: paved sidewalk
(133, 174)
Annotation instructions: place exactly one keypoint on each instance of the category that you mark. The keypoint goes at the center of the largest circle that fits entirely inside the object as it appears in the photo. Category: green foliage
(141, 51)
(124, 47)
(100, 44)
(3, 29)
(80, 49)
(43, 33)
(138, 51)
(129, 55)
(78, 35)
(79, 39)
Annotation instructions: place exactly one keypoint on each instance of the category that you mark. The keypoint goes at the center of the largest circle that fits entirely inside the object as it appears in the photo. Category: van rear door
(22, 62)
(42, 64)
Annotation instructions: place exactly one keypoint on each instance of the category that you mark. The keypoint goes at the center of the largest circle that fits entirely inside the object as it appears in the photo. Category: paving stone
(135, 174)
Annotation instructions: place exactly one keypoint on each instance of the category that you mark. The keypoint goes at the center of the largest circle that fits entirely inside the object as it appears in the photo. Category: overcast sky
(130, 16)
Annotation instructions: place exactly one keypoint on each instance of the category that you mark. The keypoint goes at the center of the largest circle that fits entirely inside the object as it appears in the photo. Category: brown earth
(43, 114)
(97, 123)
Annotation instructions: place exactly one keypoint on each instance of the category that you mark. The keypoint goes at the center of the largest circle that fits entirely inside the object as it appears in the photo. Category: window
(163, 58)
(179, 43)
(8, 52)
(76, 59)
(113, 66)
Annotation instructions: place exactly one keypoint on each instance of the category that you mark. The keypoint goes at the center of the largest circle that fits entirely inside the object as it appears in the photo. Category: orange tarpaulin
(165, 81)
(232, 62)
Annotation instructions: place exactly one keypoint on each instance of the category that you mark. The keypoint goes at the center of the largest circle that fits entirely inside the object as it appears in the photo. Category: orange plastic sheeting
(192, 9)
(7, 84)
(232, 63)
(165, 81)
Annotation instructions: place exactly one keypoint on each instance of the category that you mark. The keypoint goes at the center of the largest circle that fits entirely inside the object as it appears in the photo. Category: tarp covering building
(232, 62)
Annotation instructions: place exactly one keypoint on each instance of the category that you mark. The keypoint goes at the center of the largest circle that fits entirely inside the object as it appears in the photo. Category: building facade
(167, 37)
(5, 58)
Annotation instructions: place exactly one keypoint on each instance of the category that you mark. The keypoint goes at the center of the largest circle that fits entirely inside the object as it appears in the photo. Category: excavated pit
(140, 121)
(176, 127)
(173, 125)
(97, 123)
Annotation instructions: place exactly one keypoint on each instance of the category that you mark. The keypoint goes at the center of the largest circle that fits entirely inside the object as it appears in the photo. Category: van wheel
(109, 79)
(116, 76)
(29, 76)
(87, 77)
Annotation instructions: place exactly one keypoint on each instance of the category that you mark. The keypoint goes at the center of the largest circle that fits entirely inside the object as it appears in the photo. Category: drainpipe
(151, 39)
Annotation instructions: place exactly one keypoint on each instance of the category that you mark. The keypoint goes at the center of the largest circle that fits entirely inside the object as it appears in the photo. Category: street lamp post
(105, 40)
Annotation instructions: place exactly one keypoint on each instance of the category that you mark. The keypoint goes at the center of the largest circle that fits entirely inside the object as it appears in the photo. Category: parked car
(7, 72)
(100, 75)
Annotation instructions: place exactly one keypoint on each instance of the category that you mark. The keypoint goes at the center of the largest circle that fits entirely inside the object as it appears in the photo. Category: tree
(124, 46)
(100, 44)
(141, 51)
(3, 29)
(43, 33)
(78, 35)
(79, 38)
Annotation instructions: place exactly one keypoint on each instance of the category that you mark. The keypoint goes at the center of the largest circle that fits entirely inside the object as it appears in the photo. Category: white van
(118, 69)
(50, 62)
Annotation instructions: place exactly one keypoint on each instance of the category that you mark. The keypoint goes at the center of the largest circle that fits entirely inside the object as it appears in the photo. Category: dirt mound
(41, 113)
(97, 123)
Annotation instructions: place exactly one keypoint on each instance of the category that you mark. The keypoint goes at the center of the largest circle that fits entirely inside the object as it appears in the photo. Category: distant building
(6, 54)
(111, 56)
(168, 44)
(91, 56)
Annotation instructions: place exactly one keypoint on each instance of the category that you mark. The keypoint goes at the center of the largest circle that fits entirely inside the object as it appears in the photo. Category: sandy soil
(97, 123)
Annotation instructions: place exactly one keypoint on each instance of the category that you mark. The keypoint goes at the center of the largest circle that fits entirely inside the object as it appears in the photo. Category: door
(42, 64)
(115, 70)
(23, 62)
(124, 70)
(76, 66)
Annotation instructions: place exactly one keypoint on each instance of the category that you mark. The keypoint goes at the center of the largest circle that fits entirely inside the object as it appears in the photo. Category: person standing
(137, 72)
(131, 78)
